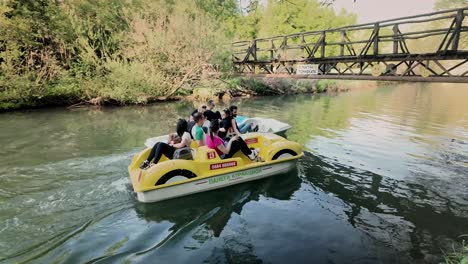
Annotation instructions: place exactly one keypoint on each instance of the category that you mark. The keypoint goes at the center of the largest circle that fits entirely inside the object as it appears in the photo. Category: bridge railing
(436, 36)
(450, 25)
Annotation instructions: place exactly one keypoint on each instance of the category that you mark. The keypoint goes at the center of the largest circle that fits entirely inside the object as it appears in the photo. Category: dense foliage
(132, 51)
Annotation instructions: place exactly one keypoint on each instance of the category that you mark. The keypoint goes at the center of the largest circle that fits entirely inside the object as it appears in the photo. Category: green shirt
(199, 133)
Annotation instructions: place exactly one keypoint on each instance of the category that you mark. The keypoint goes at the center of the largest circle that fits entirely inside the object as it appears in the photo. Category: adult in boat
(198, 134)
(191, 123)
(227, 125)
(235, 144)
(168, 149)
(209, 114)
(201, 109)
(245, 127)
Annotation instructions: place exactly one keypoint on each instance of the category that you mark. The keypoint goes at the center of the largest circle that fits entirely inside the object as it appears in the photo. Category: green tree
(286, 17)
(127, 51)
(34, 38)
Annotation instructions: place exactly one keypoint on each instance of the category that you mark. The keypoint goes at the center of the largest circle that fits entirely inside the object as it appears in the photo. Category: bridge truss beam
(381, 56)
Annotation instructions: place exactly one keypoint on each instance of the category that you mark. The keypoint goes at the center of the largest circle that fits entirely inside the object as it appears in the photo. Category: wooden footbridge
(430, 47)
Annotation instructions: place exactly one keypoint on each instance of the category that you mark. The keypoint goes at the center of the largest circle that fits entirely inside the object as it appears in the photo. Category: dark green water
(384, 180)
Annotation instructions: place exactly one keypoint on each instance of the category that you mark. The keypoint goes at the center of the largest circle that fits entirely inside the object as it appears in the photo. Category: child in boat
(235, 144)
(168, 150)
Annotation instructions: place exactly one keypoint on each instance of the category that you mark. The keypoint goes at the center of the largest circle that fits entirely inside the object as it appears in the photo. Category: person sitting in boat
(245, 127)
(191, 123)
(197, 132)
(235, 144)
(209, 114)
(227, 125)
(168, 150)
(201, 109)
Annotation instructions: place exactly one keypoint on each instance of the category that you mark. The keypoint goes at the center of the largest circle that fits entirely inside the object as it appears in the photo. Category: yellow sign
(376, 70)
(424, 72)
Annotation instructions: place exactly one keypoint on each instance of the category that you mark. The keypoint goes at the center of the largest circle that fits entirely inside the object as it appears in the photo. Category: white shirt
(187, 138)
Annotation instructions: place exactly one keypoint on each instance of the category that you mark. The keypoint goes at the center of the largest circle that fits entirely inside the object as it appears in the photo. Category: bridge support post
(284, 45)
(254, 50)
(395, 39)
(376, 38)
(322, 51)
(272, 50)
(342, 43)
(458, 24)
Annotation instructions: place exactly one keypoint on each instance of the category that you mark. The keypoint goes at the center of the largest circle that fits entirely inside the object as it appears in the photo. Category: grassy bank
(122, 91)
(236, 87)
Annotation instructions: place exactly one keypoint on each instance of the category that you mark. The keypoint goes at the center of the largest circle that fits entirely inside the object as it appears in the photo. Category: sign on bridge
(307, 69)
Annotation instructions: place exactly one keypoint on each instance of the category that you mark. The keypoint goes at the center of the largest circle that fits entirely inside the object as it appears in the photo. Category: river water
(384, 180)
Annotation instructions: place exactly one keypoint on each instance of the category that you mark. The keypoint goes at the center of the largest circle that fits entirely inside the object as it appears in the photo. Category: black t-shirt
(226, 124)
(190, 125)
(210, 115)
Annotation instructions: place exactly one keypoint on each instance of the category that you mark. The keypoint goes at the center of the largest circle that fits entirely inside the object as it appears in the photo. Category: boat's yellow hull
(174, 178)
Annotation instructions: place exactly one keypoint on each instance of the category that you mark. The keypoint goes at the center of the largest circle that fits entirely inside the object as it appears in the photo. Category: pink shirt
(212, 144)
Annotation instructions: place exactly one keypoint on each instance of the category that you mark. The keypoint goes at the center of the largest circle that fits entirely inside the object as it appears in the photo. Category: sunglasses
(203, 106)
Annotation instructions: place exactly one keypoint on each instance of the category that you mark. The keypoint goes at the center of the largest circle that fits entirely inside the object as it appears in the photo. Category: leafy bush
(130, 52)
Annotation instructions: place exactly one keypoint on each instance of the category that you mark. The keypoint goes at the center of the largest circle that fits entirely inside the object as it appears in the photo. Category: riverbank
(84, 92)
(248, 87)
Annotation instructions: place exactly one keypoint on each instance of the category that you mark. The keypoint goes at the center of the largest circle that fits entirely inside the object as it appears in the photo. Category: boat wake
(79, 190)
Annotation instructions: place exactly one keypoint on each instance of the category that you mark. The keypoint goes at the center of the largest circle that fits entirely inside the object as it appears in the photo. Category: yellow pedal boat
(207, 171)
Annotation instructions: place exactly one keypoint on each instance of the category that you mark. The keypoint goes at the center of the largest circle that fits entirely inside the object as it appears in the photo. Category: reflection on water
(219, 204)
(405, 215)
(209, 213)
(383, 180)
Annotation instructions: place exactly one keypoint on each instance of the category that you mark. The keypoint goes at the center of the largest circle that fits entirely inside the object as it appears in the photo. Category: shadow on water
(406, 216)
(215, 207)
(203, 217)
(398, 219)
